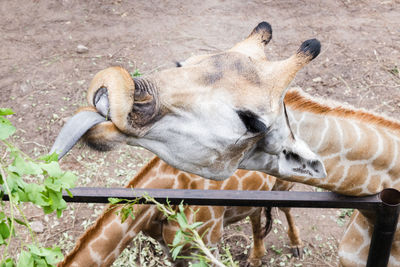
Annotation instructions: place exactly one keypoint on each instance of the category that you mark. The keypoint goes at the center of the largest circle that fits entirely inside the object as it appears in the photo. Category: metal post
(387, 216)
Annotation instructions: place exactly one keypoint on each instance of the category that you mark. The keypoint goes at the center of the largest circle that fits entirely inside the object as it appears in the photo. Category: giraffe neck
(360, 150)
(98, 245)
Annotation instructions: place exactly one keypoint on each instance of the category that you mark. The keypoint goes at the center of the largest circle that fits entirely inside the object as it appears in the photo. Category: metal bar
(228, 197)
(387, 216)
(385, 206)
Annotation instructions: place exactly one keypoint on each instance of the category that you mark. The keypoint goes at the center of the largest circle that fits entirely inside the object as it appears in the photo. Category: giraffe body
(101, 244)
(361, 153)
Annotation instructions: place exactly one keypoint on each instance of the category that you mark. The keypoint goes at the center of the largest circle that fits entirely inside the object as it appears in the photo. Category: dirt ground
(43, 79)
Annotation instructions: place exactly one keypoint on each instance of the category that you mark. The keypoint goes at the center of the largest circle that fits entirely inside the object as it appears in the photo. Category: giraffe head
(204, 117)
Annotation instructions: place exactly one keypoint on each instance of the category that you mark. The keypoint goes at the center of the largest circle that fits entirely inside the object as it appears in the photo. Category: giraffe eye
(251, 121)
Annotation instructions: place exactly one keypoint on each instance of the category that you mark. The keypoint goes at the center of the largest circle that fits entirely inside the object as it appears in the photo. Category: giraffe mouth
(81, 122)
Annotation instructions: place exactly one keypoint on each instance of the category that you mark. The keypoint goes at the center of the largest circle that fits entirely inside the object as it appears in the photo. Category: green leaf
(8, 263)
(175, 251)
(34, 193)
(25, 259)
(181, 218)
(195, 225)
(68, 180)
(53, 255)
(46, 256)
(177, 238)
(114, 200)
(53, 183)
(4, 230)
(136, 73)
(23, 167)
(2, 216)
(39, 262)
(52, 168)
(69, 193)
(6, 129)
(20, 222)
(14, 180)
(50, 157)
(6, 111)
(200, 264)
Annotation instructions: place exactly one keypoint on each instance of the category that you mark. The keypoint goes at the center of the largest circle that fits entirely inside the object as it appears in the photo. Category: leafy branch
(38, 181)
(186, 237)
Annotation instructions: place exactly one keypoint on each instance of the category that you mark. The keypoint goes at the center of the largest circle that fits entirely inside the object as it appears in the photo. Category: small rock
(37, 226)
(317, 80)
(80, 49)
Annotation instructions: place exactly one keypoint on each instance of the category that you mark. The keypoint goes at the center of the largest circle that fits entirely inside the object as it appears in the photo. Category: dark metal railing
(385, 205)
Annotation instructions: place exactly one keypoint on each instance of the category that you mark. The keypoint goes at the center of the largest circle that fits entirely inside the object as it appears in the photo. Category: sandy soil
(43, 79)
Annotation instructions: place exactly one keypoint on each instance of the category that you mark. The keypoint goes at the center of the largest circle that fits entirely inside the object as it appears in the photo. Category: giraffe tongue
(74, 129)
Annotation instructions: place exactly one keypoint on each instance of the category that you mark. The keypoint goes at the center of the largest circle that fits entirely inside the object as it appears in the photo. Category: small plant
(343, 214)
(38, 181)
(136, 73)
(186, 237)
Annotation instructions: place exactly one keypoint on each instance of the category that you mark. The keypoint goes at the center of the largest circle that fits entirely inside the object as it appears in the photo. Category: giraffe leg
(258, 250)
(293, 231)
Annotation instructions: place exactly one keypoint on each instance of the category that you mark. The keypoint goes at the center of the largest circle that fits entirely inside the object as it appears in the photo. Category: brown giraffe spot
(169, 231)
(375, 184)
(354, 192)
(331, 164)
(386, 157)
(395, 171)
(366, 147)
(335, 170)
(364, 252)
(183, 179)
(203, 213)
(349, 134)
(217, 229)
(396, 248)
(207, 225)
(352, 240)
(397, 185)
(333, 143)
(356, 175)
(161, 183)
(232, 184)
(250, 183)
(84, 260)
(312, 138)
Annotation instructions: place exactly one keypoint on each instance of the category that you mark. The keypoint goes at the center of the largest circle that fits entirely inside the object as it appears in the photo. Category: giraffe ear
(254, 44)
(262, 33)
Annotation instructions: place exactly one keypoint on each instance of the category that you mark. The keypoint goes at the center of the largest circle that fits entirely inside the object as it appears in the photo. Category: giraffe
(360, 150)
(227, 111)
(103, 242)
(203, 117)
